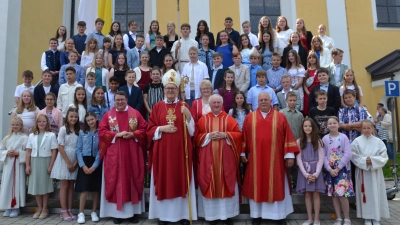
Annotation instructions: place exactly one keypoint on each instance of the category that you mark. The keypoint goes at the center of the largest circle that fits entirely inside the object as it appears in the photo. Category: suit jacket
(157, 58)
(302, 53)
(49, 142)
(332, 73)
(219, 77)
(242, 80)
(132, 57)
(39, 95)
(282, 100)
(333, 97)
(135, 99)
(309, 37)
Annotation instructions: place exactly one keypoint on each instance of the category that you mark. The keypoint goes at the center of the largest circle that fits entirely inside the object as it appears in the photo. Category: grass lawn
(387, 172)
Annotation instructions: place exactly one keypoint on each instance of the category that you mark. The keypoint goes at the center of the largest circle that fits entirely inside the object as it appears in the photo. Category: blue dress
(227, 54)
(266, 57)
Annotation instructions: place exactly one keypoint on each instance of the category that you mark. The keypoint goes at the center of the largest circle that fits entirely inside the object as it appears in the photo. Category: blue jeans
(389, 148)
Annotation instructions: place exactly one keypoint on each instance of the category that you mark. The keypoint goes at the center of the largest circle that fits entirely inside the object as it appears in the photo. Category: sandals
(70, 213)
(37, 214)
(68, 218)
(346, 222)
(338, 221)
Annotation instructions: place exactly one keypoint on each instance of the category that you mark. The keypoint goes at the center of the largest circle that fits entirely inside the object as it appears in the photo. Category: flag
(90, 10)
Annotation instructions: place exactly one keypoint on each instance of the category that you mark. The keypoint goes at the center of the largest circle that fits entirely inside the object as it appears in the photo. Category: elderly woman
(200, 107)
(385, 132)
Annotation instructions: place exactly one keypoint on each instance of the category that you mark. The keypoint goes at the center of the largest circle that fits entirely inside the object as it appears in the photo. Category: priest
(172, 192)
(218, 144)
(271, 146)
(122, 136)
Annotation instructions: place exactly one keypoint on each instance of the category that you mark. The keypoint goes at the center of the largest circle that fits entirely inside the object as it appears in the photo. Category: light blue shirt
(274, 77)
(252, 96)
(324, 87)
(80, 74)
(98, 36)
(253, 72)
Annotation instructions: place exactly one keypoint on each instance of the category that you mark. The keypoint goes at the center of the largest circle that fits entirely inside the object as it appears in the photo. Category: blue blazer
(135, 99)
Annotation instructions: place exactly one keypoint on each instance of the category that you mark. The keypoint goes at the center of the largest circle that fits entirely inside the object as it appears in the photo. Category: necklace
(171, 116)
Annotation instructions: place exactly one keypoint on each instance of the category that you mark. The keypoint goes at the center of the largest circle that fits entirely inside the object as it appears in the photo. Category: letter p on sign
(392, 88)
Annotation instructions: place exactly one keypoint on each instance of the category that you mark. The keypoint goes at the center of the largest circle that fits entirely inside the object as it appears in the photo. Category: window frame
(124, 29)
(254, 29)
(386, 25)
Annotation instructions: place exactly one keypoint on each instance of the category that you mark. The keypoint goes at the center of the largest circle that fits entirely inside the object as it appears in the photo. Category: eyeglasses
(170, 89)
(120, 100)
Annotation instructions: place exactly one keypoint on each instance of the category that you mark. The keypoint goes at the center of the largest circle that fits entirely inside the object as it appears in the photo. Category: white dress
(60, 169)
(17, 142)
(29, 118)
(282, 39)
(375, 205)
(295, 74)
(87, 59)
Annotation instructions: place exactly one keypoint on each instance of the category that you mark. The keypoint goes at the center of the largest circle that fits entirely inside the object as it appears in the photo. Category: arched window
(260, 8)
(127, 10)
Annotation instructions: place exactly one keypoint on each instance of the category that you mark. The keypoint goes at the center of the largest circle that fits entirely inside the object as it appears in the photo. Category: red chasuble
(218, 167)
(123, 160)
(267, 140)
(167, 155)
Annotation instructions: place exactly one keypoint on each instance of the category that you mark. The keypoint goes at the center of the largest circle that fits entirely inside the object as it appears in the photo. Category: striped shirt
(155, 93)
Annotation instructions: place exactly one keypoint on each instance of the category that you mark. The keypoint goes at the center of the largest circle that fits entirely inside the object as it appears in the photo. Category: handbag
(309, 81)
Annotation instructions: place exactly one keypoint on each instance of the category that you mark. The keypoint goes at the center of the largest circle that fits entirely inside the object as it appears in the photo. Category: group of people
(193, 110)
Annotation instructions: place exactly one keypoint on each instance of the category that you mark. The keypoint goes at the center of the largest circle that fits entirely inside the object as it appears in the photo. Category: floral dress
(341, 185)
(295, 74)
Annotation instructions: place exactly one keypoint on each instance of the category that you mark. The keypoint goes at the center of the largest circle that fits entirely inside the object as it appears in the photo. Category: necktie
(139, 52)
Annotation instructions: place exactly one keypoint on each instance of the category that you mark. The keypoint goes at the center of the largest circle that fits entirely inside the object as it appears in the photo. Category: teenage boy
(51, 61)
(276, 72)
(67, 91)
(80, 38)
(254, 59)
(233, 34)
(205, 53)
(43, 89)
(180, 48)
(135, 96)
(133, 54)
(261, 86)
(196, 71)
(113, 84)
(321, 113)
(217, 71)
(246, 26)
(336, 68)
(79, 70)
(242, 73)
(282, 95)
(350, 116)
(27, 76)
(332, 90)
(157, 53)
(99, 23)
(131, 36)
(90, 85)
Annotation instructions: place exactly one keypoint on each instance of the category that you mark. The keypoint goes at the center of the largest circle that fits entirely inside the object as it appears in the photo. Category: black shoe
(227, 222)
(281, 222)
(213, 222)
(256, 221)
(117, 220)
(162, 222)
(134, 219)
(185, 222)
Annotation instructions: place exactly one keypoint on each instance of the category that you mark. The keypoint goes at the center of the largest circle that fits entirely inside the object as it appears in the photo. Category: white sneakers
(94, 216)
(376, 222)
(11, 213)
(81, 218)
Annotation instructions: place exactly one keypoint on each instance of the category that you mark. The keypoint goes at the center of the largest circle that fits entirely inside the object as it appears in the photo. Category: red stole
(267, 140)
(167, 155)
(218, 166)
(123, 160)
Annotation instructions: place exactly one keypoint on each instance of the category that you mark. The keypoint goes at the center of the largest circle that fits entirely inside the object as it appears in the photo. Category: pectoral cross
(171, 117)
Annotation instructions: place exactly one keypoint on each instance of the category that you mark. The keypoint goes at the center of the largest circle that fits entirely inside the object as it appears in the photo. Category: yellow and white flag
(90, 10)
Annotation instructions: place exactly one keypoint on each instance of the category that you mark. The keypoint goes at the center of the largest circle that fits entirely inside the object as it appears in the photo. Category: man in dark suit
(39, 93)
(333, 91)
(216, 73)
(135, 96)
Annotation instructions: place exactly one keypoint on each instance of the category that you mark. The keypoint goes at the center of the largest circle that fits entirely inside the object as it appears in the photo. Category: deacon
(268, 139)
(172, 191)
(218, 142)
(122, 136)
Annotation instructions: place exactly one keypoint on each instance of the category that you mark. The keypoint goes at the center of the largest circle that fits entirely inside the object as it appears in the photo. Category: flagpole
(179, 33)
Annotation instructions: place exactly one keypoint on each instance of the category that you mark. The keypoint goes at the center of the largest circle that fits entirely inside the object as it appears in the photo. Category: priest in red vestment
(268, 139)
(218, 144)
(170, 157)
(122, 136)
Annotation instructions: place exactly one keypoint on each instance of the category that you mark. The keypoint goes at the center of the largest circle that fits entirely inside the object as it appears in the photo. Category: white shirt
(43, 64)
(126, 39)
(66, 96)
(327, 42)
(109, 98)
(46, 89)
(61, 44)
(337, 73)
(87, 59)
(21, 88)
(183, 51)
(253, 39)
(296, 48)
(282, 39)
(200, 73)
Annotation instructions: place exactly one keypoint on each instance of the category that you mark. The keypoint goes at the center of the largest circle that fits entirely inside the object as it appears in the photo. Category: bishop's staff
(184, 81)
(179, 34)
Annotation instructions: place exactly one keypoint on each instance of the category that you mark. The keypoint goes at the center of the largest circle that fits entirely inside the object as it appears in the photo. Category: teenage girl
(265, 25)
(150, 39)
(226, 46)
(66, 164)
(98, 104)
(114, 30)
(119, 69)
(61, 36)
(153, 92)
(117, 48)
(239, 108)
(282, 33)
(297, 45)
(106, 48)
(228, 90)
(310, 160)
(317, 47)
(349, 82)
(143, 71)
(69, 47)
(97, 66)
(54, 114)
(171, 35)
(245, 49)
(87, 56)
(296, 72)
(41, 152)
(80, 103)
(305, 35)
(311, 75)
(27, 110)
(266, 50)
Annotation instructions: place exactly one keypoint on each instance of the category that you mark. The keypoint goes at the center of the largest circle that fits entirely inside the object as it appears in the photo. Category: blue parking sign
(392, 88)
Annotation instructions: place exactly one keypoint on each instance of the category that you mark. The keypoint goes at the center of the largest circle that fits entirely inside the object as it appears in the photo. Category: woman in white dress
(27, 111)
(282, 33)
